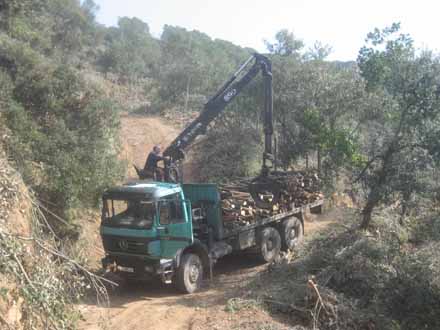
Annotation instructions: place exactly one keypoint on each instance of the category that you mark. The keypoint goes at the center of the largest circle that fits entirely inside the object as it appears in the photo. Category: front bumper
(139, 267)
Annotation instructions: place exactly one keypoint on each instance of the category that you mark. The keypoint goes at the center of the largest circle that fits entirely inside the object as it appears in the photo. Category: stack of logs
(297, 188)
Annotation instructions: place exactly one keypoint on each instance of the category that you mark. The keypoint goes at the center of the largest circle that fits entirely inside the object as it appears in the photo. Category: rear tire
(270, 244)
(189, 274)
(292, 233)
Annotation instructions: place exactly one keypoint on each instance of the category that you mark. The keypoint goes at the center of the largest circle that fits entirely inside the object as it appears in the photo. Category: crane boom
(216, 104)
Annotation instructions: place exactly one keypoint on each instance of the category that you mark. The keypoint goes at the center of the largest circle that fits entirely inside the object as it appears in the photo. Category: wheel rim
(269, 245)
(194, 272)
(292, 236)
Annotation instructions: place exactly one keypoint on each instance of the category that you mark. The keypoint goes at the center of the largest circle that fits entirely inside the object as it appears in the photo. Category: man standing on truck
(151, 168)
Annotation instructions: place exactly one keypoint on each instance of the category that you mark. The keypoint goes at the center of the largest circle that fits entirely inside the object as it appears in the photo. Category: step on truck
(175, 232)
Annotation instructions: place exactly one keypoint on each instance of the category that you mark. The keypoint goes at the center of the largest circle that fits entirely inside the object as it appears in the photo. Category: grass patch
(237, 304)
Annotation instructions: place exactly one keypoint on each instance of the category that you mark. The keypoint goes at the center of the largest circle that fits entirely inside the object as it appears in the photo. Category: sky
(343, 24)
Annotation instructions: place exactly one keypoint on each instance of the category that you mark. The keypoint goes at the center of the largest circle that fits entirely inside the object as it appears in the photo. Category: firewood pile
(293, 189)
(297, 188)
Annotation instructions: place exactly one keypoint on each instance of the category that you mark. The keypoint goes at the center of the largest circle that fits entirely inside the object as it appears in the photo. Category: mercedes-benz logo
(123, 244)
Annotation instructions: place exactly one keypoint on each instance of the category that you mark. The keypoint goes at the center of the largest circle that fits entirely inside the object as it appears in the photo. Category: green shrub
(365, 279)
(424, 229)
(6, 90)
(413, 296)
(64, 132)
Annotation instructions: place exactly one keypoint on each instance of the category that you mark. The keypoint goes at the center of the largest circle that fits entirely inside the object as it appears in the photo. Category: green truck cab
(176, 232)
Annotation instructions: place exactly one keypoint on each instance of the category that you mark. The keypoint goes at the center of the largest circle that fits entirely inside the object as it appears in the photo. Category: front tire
(270, 244)
(292, 233)
(189, 274)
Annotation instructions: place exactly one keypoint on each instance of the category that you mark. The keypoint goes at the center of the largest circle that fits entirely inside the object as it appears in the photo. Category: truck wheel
(292, 233)
(270, 244)
(189, 274)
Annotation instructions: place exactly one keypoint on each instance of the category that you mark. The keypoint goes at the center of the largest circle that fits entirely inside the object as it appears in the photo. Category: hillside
(14, 211)
(39, 282)
(139, 134)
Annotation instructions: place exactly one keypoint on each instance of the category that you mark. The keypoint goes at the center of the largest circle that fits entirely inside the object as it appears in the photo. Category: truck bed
(264, 221)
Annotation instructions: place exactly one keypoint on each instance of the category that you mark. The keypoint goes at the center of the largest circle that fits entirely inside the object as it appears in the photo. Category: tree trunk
(373, 199)
(319, 161)
(376, 193)
(403, 213)
(406, 199)
(187, 93)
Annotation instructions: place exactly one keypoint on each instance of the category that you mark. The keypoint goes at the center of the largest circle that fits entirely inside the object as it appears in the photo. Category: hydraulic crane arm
(214, 107)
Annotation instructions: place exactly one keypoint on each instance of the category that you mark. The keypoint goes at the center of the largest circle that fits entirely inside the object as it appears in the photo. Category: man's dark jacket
(152, 160)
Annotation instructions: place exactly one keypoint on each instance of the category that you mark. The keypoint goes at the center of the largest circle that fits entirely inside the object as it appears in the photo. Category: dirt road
(156, 306)
(139, 134)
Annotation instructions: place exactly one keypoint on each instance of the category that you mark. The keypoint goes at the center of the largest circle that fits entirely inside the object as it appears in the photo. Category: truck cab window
(171, 210)
(128, 213)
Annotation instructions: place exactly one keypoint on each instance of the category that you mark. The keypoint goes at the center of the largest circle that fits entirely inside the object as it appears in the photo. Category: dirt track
(156, 306)
(149, 306)
(139, 134)
(159, 307)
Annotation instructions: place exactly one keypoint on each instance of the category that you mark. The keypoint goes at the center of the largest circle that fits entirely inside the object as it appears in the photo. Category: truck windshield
(128, 213)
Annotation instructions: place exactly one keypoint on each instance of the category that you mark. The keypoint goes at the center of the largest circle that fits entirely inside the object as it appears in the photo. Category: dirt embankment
(14, 220)
(139, 134)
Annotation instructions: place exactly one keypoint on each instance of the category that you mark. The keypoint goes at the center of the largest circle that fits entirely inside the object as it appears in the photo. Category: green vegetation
(131, 51)
(402, 159)
(381, 279)
(40, 278)
(64, 131)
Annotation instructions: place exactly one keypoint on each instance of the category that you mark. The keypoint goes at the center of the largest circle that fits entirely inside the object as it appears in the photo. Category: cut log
(297, 188)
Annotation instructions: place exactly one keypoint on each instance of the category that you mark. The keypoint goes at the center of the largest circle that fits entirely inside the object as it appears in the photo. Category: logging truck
(176, 232)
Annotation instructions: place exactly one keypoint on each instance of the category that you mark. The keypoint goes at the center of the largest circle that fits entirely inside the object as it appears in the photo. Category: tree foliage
(317, 106)
(193, 67)
(400, 140)
(285, 44)
(64, 130)
(131, 52)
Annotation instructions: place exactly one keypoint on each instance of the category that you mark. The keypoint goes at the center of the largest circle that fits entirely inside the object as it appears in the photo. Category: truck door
(175, 227)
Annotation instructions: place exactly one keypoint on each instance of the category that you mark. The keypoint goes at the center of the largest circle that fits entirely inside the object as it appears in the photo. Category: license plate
(126, 269)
